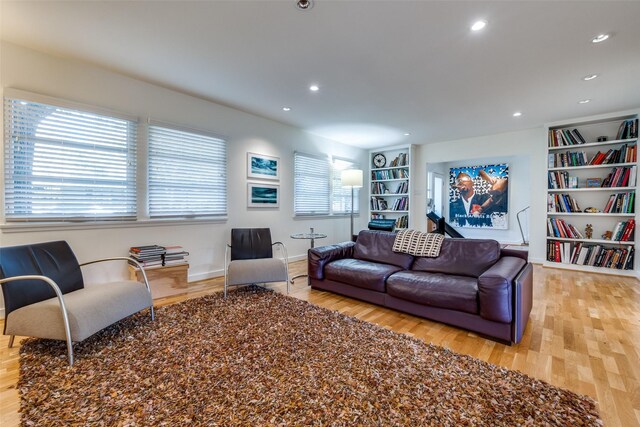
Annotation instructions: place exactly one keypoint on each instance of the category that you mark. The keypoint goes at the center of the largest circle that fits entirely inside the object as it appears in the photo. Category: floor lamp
(351, 178)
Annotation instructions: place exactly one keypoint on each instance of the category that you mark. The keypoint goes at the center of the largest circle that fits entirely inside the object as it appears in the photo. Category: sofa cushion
(463, 257)
(435, 289)
(377, 246)
(363, 274)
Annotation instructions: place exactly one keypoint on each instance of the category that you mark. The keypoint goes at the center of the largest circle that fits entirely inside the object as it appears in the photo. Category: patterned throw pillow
(417, 243)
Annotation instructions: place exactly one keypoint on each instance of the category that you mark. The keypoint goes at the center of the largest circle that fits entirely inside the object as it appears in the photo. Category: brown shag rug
(264, 359)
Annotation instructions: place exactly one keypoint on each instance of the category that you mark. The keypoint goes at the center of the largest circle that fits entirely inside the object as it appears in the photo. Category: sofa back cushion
(462, 257)
(376, 246)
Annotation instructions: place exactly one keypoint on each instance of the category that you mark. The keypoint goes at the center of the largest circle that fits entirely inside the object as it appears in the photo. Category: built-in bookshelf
(592, 185)
(390, 188)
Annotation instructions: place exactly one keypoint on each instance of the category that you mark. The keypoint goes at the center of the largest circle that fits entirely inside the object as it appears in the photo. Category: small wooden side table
(172, 276)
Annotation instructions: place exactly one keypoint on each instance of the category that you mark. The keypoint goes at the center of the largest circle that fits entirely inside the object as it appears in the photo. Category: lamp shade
(351, 178)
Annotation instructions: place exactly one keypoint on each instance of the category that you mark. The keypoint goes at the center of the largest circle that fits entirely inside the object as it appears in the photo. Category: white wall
(81, 82)
(525, 151)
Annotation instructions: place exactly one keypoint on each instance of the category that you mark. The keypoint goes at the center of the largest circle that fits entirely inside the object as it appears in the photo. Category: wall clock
(379, 160)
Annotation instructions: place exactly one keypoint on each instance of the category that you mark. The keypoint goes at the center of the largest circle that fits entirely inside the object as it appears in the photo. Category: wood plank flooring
(583, 335)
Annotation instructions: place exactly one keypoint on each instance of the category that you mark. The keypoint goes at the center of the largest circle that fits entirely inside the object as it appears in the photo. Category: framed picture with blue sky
(260, 166)
(263, 195)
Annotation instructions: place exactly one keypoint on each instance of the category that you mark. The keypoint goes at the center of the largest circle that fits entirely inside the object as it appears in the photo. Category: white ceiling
(384, 67)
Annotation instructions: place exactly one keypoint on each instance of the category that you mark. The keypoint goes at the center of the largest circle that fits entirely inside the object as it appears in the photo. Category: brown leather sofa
(472, 284)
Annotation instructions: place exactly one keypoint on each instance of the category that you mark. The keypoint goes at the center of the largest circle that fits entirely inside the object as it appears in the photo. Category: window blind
(65, 164)
(341, 196)
(311, 188)
(187, 173)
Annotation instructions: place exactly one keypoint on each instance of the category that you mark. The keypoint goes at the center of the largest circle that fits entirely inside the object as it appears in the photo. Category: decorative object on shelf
(379, 160)
(588, 231)
(592, 210)
(263, 195)
(594, 182)
(607, 235)
(351, 178)
(478, 196)
(261, 166)
(602, 139)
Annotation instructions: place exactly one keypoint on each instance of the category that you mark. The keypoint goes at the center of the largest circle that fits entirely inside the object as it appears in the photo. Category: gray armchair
(45, 295)
(249, 259)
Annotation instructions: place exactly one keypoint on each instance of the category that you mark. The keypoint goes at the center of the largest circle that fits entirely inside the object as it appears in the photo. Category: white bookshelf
(567, 247)
(391, 185)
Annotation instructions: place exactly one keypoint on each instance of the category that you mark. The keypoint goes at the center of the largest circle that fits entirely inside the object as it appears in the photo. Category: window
(311, 189)
(318, 188)
(187, 173)
(67, 164)
(341, 196)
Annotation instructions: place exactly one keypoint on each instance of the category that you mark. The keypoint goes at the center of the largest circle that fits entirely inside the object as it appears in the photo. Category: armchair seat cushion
(261, 270)
(89, 309)
(436, 289)
(360, 273)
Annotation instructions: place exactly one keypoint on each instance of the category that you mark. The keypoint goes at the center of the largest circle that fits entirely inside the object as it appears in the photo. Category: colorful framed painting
(263, 195)
(260, 166)
(479, 196)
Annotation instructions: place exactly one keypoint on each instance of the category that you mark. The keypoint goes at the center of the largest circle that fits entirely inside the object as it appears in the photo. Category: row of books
(628, 129)
(621, 177)
(625, 154)
(389, 174)
(623, 231)
(402, 222)
(155, 255)
(561, 137)
(400, 204)
(620, 258)
(562, 203)
(400, 160)
(559, 228)
(562, 180)
(381, 188)
(620, 203)
(379, 204)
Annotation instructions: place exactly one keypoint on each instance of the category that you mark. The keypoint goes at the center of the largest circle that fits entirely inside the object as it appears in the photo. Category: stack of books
(174, 255)
(147, 256)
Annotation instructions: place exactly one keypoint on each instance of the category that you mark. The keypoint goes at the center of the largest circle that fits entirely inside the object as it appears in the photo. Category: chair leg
(11, 338)
(153, 313)
(225, 283)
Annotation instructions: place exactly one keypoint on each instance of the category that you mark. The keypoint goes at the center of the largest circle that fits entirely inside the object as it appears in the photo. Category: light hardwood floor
(583, 335)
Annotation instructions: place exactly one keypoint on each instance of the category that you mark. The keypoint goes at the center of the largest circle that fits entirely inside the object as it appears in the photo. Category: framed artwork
(260, 166)
(594, 182)
(263, 195)
(479, 196)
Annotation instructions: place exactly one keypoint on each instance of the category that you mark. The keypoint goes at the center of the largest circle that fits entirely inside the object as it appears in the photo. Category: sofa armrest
(323, 255)
(516, 253)
(495, 289)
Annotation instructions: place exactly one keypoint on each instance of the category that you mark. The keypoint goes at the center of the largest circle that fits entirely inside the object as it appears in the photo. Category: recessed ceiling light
(589, 77)
(600, 38)
(584, 101)
(304, 4)
(517, 114)
(286, 108)
(314, 88)
(407, 134)
(478, 25)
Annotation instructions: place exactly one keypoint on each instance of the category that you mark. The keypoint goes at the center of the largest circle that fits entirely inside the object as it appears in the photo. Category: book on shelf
(561, 137)
(618, 258)
(628, 129)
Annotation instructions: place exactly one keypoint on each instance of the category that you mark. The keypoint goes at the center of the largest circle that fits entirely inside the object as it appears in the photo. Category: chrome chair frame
(227, 261)
(60, 296)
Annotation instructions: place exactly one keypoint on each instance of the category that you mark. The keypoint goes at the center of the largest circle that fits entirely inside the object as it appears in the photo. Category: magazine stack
(148, 256)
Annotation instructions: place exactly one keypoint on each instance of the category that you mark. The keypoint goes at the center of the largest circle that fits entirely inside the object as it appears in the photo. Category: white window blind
(341, 196)
(187, 173)
(311, 188)
(65, 164)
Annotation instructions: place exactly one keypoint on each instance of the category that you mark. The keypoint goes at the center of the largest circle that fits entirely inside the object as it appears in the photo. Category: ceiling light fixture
(407, 134)
(589, 77)
(478, 25)
(314, 88)
(600, 38)
(517, 114)
(304, 4)
(286, 108)
(584, 101)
